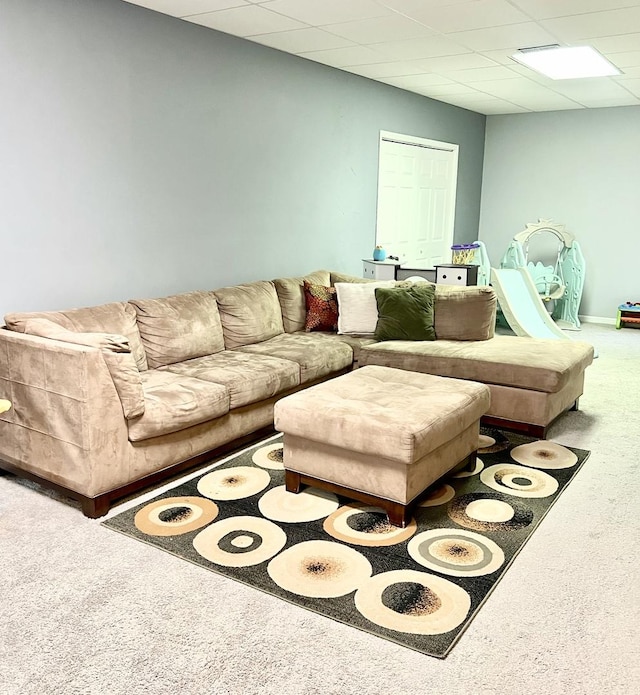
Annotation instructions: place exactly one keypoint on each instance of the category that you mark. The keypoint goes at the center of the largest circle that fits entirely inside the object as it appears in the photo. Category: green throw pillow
(405, 313)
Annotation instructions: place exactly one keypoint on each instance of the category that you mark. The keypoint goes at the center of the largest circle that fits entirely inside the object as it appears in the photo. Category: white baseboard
(598, 319)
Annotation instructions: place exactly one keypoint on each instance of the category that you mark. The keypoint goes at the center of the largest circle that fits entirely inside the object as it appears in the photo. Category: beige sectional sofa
(110, 399)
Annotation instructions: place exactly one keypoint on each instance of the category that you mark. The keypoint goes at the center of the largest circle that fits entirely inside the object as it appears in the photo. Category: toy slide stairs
(521, 304)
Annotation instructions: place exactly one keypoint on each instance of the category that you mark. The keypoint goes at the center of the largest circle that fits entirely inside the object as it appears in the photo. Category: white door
(416, 199)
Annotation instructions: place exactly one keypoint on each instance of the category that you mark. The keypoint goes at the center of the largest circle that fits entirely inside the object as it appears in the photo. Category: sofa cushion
(537, 364)
(173, 402)
(179, 327)
(250, 313)
(464, 313)
(345, 277)
(316, 356)
(322, 307)
(117, 317)
(292, 301)
(357, 308)
(355, 342)
(405, 313)
(248, 378)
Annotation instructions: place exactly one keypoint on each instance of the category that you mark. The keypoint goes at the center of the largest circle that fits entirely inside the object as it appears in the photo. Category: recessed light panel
(566, 62)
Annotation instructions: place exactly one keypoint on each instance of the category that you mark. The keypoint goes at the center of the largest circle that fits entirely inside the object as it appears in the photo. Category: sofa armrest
(115, 353)
(66, 423)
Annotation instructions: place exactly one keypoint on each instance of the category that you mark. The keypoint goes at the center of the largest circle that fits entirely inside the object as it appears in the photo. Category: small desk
(627, 313)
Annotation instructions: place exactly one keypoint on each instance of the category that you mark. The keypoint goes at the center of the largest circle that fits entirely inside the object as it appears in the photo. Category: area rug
(419, 586)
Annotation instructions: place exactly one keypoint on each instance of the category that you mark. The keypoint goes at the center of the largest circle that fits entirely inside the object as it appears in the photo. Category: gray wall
(143, 155)
(581, 169)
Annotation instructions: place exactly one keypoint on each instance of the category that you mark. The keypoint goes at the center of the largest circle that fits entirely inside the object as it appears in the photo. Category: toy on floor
(628, 313)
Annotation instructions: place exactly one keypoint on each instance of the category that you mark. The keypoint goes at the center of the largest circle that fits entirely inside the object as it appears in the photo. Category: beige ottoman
(380, 435)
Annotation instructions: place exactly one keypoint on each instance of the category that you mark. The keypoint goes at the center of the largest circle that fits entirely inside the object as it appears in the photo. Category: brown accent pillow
(322, 308)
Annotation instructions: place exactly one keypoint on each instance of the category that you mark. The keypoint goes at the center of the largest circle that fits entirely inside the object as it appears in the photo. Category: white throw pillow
(357, 307)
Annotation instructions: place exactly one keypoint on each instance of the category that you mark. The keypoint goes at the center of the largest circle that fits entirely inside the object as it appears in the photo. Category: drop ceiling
(455, 51)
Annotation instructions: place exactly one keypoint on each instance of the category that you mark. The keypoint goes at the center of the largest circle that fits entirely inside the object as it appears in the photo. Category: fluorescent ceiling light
(566, 62)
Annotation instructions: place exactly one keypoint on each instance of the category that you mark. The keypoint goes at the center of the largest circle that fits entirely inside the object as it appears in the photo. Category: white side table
(379, 270)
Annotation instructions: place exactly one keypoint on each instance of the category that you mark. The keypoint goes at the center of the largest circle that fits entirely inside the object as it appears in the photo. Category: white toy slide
(521, 304)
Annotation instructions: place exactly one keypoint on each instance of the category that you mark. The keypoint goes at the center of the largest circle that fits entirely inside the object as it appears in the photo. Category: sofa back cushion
(117, 317)
(345, 277)
(179, 327)
(291, 297)
(464, 313)
(250, 313)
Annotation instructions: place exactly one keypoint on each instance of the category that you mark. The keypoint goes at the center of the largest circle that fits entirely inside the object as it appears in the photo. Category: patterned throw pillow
(322, 308)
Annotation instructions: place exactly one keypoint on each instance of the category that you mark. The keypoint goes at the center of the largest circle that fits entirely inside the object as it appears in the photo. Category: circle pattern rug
(419, 586)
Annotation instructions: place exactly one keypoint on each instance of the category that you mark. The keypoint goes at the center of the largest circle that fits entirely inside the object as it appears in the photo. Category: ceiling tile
(329, 11)
(633, 86)
(246, 21)
(545, 9)
(442, 89)
(498, 109)
(594, 24)
(551, 105)
(595, 103)
(414, 49)
(414, 81)
(499, 72)
(508, 89)
(483, 104)
(339, 57)
(628, 74)
(502, 56)
(474, 15)
(466, 61)
(590, 89)
(617, 44)
(182, 8)
(527, 94)
(510, 36)
(378, 29)
(395, 69)
(629, 59)
(410, 7)
(302, 40)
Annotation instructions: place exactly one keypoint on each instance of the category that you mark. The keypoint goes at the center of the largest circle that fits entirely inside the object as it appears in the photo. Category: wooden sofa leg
(292, 481)
(94, 507)
(576, 405)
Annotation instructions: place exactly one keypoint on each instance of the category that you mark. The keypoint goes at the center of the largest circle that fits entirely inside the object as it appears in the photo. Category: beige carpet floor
(84, 610)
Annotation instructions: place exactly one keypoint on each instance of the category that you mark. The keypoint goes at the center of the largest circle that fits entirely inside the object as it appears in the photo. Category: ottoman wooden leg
(292, 481)
(398, 513)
